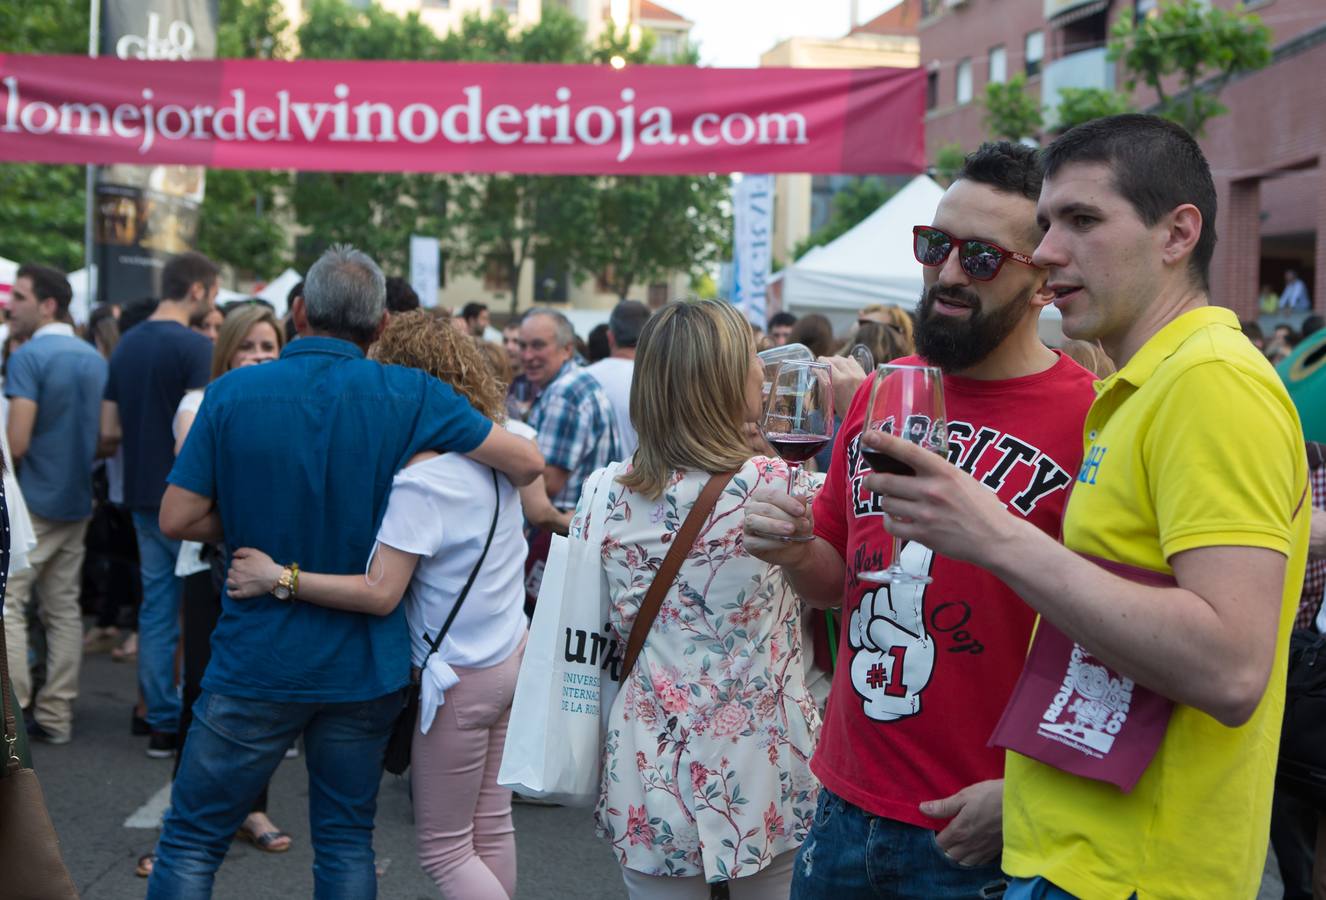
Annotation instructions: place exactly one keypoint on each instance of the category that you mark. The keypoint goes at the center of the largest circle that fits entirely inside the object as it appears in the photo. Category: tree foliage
(245, 214)
(1078, 105)
(850, 206)
(1010, 112)
(41, 218)
(1196, 42)
(948, 162)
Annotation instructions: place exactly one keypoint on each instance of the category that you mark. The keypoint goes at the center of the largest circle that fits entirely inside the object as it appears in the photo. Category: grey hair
(345, 294)
(566, 334)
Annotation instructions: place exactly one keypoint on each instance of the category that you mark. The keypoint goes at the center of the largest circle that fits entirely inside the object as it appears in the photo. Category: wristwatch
(287, 586)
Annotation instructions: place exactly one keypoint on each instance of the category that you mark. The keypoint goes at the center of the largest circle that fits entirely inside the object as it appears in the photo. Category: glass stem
(896, 564)
(792, 469)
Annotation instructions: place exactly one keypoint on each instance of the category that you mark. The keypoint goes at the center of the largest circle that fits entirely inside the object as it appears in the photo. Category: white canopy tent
(276, 290)
(873, 263)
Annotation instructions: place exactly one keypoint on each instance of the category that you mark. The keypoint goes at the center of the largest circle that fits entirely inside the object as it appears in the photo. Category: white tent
(873, 263)
(278, 288)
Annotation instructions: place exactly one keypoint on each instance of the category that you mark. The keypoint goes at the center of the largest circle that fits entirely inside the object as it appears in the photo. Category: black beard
(955, 344)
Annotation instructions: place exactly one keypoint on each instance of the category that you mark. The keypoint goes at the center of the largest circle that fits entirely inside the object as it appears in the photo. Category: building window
(497, 274)
(963, 92)
(931, 89)
(668, 47)
(998, 65)
(658, 294)
(432, 4)
(510, 7)
(1035, 52)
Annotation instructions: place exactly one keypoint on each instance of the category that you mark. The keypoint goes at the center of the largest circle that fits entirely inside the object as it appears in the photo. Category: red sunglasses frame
(958, 244)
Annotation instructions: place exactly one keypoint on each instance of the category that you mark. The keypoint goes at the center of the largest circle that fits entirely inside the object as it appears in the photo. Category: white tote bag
(554, 744)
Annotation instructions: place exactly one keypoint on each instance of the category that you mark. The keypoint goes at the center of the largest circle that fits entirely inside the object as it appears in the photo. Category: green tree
(849, 207)
(377, 212)
(41, 218)
(646, 227)
(244, 219)
(1078, 105)
(1010, 112)
(1203, 45)
(948, 162)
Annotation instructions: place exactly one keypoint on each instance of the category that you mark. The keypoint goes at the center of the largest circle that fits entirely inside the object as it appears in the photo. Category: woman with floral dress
(705, 768)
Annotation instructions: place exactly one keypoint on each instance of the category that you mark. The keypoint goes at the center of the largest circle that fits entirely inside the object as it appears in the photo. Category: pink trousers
(467, 843)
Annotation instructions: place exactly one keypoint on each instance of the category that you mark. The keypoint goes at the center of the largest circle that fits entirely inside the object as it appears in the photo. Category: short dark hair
(48, 284)
(597, 343)
(184, 271)
(472, 309)
(627, 320)
(400, 295)
(294, 293)
(1312, 324)
(1004, 166)
(782, 320)
(1156, 166)
(136, 311)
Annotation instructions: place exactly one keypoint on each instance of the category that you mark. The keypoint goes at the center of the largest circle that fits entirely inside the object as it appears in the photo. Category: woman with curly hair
(449, 520)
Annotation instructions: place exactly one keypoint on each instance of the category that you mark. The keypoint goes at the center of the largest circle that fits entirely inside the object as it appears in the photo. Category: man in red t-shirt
(911, 806)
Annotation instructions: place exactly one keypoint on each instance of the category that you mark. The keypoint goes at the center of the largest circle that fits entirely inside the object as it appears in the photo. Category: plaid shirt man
(576, 429)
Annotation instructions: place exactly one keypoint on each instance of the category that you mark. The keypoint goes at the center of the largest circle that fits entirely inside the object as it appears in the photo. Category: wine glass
(861, 353)
(907, 402)
(798, 418)
(771, 358)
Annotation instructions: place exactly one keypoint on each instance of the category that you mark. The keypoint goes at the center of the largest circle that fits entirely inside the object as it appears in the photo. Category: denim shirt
(299, 455)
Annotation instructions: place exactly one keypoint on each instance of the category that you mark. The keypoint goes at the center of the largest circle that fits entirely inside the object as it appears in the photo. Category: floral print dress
(707, 746)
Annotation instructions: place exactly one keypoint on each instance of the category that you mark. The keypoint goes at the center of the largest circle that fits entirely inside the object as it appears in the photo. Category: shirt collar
(1165, 342)
(62, 329)
(318, 344)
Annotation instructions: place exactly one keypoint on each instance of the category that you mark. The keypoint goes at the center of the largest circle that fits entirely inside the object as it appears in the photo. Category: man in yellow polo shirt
(1149, 770)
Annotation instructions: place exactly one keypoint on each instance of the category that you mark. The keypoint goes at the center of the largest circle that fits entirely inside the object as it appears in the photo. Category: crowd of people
(1080, 695)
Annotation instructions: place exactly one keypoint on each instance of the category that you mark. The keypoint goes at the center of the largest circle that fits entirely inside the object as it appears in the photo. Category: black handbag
(1302, 769)
(397, 758)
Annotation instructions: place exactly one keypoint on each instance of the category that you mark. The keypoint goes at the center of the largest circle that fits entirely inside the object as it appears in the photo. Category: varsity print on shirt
(890, 631)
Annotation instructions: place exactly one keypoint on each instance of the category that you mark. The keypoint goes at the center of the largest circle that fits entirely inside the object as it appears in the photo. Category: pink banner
(460, 117)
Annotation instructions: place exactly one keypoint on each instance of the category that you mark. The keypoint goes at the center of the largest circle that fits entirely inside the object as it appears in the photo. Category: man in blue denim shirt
(296, 458)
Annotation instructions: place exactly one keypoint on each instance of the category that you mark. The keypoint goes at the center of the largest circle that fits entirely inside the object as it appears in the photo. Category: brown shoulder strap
(11, 761)
(667, 573)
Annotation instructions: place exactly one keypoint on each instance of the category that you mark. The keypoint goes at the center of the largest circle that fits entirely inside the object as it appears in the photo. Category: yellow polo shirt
(1194, 443)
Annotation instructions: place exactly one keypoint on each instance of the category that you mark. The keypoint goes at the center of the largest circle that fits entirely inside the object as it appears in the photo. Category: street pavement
(105, 796)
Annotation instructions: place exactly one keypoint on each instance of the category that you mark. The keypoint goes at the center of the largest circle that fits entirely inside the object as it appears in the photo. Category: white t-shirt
(441, 510)
(615, 375)
(191, 402)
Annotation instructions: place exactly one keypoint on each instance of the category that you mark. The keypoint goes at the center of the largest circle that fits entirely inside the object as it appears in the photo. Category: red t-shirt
(888, 743)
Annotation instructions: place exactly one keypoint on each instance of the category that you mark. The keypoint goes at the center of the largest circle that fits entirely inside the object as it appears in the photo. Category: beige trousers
(57, 574)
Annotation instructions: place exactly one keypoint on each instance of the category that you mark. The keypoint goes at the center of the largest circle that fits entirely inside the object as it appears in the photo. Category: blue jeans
(853, 855)
(234, 746)
(158, 622)
(1038, 889)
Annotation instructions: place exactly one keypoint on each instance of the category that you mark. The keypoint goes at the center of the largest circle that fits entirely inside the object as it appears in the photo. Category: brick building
(1268, 154)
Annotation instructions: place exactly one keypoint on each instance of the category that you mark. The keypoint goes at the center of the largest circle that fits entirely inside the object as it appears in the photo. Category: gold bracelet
(294, 580)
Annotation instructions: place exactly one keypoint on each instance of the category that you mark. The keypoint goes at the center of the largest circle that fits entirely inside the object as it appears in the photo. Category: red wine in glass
(797, 448)
(798, 415)
(906, 401)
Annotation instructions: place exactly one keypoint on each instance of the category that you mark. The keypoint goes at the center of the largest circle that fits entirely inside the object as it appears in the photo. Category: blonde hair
(235, 328)
(1089, 356)
(897, 319)
(688, 393)
(495, 354)
(420, 339)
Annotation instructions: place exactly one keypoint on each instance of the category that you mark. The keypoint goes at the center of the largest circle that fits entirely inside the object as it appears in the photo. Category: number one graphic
(895, 687)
